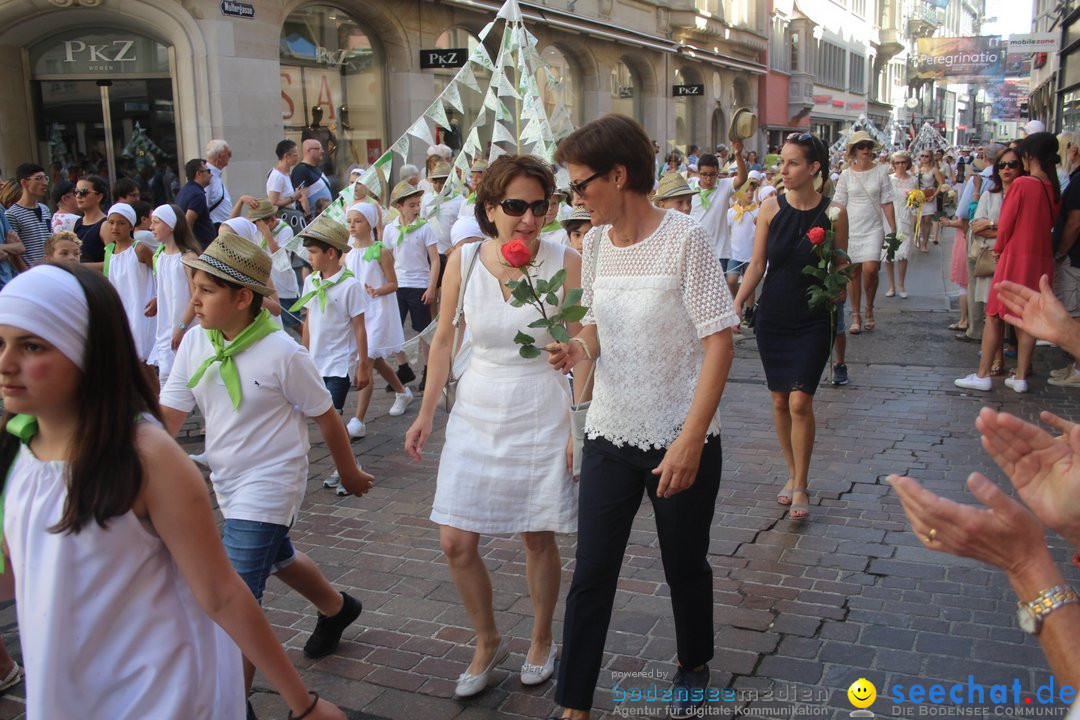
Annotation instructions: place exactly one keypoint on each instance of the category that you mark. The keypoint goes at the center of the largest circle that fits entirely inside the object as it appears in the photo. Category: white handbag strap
(460, 309)
(595, 259)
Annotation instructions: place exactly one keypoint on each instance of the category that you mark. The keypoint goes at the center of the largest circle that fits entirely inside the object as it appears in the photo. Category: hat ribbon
(261, 326)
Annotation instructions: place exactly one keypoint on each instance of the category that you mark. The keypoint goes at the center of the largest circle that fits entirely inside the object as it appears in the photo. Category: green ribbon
(157, 254)
(262, 326)
(705, 195)
(553, 225)
(374, 250)
(321, 286)
(109, 249)
(403, 231)
(25, 428)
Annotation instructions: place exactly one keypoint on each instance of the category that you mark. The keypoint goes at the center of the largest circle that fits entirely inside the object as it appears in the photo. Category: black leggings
(612, 480)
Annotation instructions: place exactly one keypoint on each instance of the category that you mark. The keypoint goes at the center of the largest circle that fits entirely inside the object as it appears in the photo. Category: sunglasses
(84, 193)
(1011, 164)
(578, 188)
(899, 162)
(517, 208)
(863, 146)
(800, 137)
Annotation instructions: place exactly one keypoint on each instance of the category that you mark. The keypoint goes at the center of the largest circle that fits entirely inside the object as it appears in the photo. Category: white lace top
(652, 303)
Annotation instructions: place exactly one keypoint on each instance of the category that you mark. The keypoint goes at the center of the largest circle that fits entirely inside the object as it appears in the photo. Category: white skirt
(382, 322)
(503, 467)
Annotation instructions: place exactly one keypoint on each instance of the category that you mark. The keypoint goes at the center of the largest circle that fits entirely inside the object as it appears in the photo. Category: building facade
(131, 78)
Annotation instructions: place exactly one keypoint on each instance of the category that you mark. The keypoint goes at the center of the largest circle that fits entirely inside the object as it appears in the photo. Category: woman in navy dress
(793, 340)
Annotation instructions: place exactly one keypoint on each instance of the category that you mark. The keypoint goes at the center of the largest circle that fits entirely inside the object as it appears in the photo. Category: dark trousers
(339, 390)
(612, 480)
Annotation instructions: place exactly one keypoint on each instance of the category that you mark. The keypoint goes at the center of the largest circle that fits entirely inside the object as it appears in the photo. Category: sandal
(870, 324)
(784, 496)
(958, 325)
(800, 511)
(890, 293)
(996, 370)
(13, 678)
(856, 323)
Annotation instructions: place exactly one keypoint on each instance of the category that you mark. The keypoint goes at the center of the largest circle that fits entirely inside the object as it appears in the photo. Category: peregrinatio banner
(960, 59)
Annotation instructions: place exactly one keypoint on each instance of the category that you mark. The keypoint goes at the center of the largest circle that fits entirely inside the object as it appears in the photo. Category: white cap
(465, 227)
(124, 210)
(1034, 126)
(765, 191)
(755, 175)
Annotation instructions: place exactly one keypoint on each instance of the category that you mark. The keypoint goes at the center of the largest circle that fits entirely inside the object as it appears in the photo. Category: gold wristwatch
(1030, 615)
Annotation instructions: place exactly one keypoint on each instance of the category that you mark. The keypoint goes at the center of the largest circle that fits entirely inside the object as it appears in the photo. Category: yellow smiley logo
(862, 693)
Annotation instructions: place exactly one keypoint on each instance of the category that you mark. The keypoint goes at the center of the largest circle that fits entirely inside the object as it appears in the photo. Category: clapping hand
(1037, 313)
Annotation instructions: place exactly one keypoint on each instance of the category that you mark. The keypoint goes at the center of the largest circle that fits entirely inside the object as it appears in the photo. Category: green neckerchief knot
(374, 250)
(404, 230)
(705, 195)
(321, 286)
(553, 225)
(25, 428)
(110, 250)
(262, 326)
(471, 198)
(157, 254)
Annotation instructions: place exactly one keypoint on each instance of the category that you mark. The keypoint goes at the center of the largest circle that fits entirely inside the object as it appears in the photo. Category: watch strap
(1051, 599)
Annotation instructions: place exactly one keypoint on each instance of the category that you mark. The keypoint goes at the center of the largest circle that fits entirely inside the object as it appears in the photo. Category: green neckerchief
(321, 286)
(705, 195)
(261, 326)
(23, 427)
(157, 254)
(471, 198)
(109, 249)
(373, 251)
(405, 230)
(553, 225)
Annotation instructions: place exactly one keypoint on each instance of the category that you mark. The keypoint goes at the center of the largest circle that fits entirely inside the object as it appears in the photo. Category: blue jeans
(257, 550)
(339, 389)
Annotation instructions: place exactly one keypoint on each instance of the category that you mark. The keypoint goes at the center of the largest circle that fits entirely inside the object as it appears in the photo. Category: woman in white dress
(505, 465)
(931, 182)
(865, 191)
(903, 182)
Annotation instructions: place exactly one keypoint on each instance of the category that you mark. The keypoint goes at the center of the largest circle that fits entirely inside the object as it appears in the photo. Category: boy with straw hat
(674, 193)
(256, 388)
(274, 237)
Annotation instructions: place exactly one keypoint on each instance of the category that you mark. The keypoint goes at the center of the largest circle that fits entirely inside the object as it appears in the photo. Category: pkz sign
(688, 90)
(449, 58)
(98, 54)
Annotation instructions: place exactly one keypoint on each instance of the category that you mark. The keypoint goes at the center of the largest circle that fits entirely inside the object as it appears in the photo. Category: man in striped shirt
(29, 217)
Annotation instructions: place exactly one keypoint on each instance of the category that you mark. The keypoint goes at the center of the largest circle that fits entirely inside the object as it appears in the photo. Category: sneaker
(423, 382)
(1016, 384)
(405, 374)
(839, 374)
(333, 481)
(356, 428)
(324, 640)
(1072, 379)
(974, 382)
(688, 688)
(1064, 372)
(1044, 343)
(401, 401)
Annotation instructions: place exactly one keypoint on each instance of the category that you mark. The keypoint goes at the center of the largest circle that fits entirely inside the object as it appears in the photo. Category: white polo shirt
(258, 453)
(330, 334)
(448, 215)
(712, 215)
(216, 191)
(410, 257)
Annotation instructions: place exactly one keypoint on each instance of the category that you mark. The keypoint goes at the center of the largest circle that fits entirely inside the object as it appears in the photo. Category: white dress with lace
(862, 194)
(503, 466)
(652, 303)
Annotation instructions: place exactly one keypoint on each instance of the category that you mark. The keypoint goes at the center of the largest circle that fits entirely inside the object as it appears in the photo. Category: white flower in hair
(832, 213)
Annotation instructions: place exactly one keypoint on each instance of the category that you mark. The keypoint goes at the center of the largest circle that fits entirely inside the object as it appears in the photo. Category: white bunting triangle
(452, 95)
(438, 113)
(501, 134)
(510, 12)
(421, 131)
(467, 77)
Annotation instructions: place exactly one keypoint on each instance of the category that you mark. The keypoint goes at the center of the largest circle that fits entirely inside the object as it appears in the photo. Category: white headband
(245, 229)
(165, 214)
(368, 210)
(123, 209)
(50, 303)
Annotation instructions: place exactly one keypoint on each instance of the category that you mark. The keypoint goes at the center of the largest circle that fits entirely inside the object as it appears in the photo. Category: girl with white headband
(373, 265)
(129, 267)
(113, 554)
(174, 287)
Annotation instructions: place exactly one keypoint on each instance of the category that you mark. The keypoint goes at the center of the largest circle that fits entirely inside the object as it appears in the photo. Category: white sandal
(13, 678)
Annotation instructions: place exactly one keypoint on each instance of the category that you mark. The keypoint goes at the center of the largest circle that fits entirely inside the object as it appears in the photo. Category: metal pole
(106, 114)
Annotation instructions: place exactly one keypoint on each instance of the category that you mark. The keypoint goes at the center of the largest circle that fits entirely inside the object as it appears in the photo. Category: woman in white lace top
(659, 327)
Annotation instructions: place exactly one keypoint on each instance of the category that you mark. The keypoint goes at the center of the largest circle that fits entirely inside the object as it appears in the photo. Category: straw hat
(579, 213)
(402, 190)
(328, 231)
(744, 124)
(441, 171)
(234, 259)
(265, 209)
(861, 136)
(479, 166)
(672, 185)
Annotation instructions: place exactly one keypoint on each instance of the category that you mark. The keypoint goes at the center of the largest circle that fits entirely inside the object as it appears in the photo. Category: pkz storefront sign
(97, 53)
(232, 8)
(697, 90)
(448, 58)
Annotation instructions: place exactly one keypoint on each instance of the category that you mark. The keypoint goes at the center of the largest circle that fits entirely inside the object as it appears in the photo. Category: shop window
(570, 96)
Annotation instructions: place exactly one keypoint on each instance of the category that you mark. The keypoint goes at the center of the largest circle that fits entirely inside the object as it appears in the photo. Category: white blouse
(652, 303)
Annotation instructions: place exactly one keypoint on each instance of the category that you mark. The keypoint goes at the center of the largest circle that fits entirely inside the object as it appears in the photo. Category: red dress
(1023, 240)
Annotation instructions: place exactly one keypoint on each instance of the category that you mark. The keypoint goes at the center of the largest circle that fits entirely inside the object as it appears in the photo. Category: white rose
(832, 213)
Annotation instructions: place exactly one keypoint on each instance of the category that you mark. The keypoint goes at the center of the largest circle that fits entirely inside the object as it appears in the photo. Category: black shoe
(328, 630)
(839, 374)
(964, 337)
(423, 381)
(688, 688)
(405, 374)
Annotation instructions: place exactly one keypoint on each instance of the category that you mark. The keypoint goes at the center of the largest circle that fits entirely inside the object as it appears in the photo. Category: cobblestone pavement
(802, 609)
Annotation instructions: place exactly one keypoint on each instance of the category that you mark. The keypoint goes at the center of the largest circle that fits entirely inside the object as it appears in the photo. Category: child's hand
(363, 376)
(370, 290)
(356, 480)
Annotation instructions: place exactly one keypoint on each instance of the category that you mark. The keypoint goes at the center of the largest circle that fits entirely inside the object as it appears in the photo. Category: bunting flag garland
(453, 96)
(927, 139)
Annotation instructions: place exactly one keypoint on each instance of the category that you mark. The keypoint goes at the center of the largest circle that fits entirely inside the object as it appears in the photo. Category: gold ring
(932, 535)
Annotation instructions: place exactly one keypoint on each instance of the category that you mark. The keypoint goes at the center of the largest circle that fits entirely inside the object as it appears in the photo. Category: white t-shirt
(278, 181)
(742, 234)
(444, 222)
(330, 333)
(282, 272)
(258, 453)
(711, 214)
(410, 257)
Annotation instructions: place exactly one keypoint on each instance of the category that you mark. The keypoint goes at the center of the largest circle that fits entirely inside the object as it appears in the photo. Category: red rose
(516, 253)
(816, 235)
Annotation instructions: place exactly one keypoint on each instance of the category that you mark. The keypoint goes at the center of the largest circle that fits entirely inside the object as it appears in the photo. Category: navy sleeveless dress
(793, 340)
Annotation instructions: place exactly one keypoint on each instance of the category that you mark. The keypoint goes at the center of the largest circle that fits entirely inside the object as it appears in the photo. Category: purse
(462, 354)
(985, 262)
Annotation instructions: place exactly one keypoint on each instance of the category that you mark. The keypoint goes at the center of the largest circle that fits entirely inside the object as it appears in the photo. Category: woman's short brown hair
(609, 141)
(498, 176)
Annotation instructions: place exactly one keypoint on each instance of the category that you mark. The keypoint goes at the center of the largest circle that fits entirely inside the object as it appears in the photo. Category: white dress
(134, 282)
(173, 294)
(108, 625)
(381, 320)
(863, 194)
(905, 217)
(503, 467)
